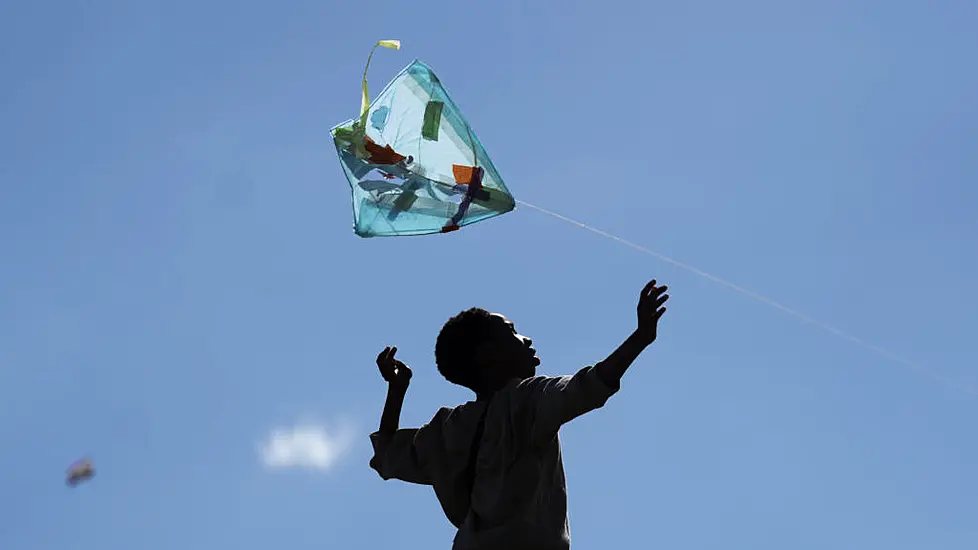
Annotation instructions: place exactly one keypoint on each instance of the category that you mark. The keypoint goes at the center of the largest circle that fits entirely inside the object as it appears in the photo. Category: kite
(414, 165)
(83, 470)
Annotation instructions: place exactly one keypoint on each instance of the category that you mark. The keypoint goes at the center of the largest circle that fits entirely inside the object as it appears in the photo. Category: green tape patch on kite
(432, 120)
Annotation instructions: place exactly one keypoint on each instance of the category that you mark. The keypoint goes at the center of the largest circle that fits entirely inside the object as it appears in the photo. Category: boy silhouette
(495, 463)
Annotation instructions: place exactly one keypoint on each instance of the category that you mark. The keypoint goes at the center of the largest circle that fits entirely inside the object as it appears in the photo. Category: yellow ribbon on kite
(365, 100)
(356, 134)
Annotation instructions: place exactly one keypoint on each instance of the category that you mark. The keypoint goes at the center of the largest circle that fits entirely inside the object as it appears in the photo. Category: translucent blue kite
(414, 165)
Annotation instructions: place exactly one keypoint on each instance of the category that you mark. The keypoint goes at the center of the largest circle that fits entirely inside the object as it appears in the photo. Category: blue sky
(179, 279)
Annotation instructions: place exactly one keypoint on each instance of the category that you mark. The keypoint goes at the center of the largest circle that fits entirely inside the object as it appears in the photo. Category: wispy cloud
(307, 446)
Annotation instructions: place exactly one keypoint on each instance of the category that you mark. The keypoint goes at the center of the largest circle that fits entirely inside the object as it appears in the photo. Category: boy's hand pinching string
(394, 372)
(650, 310)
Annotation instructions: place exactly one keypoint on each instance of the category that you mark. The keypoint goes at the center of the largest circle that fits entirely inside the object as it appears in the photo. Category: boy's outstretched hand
(396, 373)
(650, 310)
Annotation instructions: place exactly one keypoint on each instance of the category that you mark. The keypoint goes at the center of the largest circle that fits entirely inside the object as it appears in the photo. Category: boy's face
(512, 350)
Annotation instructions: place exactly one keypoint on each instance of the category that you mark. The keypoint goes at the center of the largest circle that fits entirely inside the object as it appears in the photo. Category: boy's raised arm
(558, 400)
(650, 310)
(612, 368)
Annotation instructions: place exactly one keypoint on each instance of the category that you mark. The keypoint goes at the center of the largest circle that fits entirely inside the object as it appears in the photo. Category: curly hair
(458, 342)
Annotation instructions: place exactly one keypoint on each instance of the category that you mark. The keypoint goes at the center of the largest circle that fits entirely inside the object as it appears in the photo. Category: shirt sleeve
(409, 454)
(551, 402)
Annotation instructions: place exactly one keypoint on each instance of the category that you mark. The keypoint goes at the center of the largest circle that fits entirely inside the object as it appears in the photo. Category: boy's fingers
(648, 288)
(385, 361)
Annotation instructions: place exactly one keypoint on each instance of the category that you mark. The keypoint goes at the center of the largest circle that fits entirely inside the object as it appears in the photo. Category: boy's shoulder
(584, 385)
(458, 414)
(535, 384)
(451, 428)
(512, 397)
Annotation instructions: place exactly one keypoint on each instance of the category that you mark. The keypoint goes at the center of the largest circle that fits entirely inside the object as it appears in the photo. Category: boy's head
(482, 351)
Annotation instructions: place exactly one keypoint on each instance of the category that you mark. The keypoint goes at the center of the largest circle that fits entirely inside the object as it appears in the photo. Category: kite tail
(365, 99)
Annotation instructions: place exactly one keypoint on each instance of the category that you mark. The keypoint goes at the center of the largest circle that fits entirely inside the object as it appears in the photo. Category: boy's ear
(483, 355)
(479, 354)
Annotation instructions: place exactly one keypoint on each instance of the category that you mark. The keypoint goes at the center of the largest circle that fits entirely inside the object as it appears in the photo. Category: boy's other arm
(399, 453)
(407, 454)
(391, 417)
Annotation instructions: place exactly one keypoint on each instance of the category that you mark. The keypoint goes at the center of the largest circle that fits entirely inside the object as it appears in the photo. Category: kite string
(753, 295)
